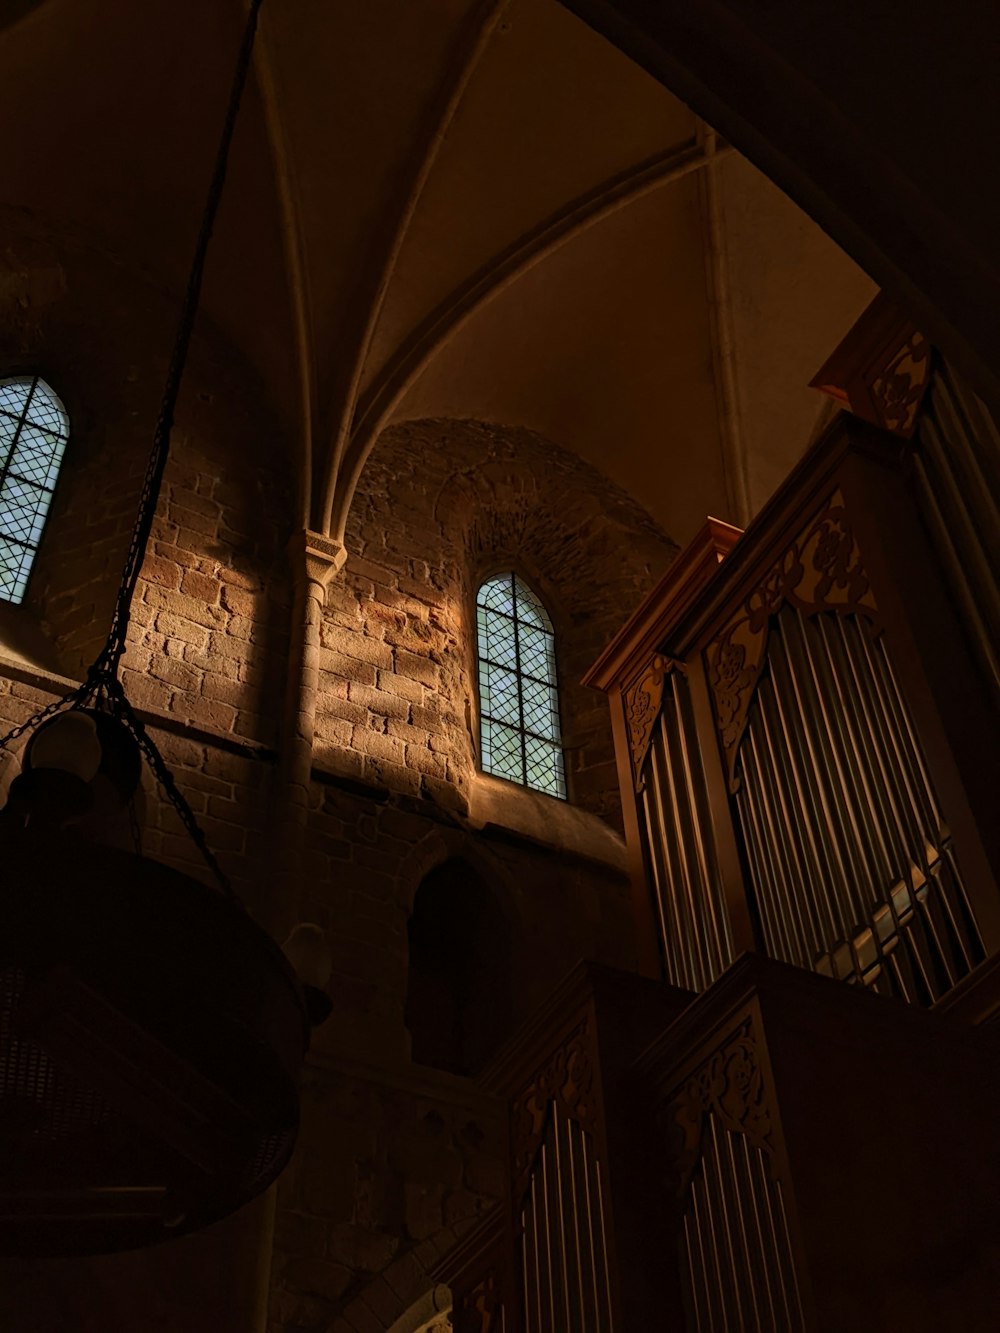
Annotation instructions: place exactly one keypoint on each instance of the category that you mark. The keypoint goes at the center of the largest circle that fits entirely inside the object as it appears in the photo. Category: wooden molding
(641, 638)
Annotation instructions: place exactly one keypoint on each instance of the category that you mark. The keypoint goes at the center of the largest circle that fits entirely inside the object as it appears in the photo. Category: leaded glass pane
(8, 434)
(519, 703)
(47, 412)
(540, 709)
(537, 657)
(500, 694)
(502, 751)
(498, 594)
(33, 433)
(530, 609)
(37, 456)
(544, 766)
(13, 573)
(498, 642)
(14, 396)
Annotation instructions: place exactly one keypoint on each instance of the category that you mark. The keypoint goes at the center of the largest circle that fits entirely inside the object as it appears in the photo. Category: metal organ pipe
(736, 1261)
(850, 863)
(564, 1256)
(696, 940)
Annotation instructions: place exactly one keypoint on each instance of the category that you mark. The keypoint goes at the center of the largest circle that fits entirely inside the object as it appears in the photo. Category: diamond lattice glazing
(519, 702)
(33, 433)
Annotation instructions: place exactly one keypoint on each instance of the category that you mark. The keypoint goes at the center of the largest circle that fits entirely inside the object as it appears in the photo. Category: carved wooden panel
(479, 1310)
(729, 1085)
(898, 386)
(881, 369)
(566, 1078)
(642, 701)
(822, 570)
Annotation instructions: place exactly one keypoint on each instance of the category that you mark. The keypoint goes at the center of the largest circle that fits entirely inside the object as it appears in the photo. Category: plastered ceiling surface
(458, 207)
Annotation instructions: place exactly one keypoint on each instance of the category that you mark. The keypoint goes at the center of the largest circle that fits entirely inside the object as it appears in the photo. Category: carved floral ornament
(567, 1078)
(730, 1085)
(898, 386)
(479, 1310)
(641, 701)
(822, 570)
(881, 369)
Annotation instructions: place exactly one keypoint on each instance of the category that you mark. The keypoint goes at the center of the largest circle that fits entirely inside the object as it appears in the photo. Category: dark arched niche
(458, 1001)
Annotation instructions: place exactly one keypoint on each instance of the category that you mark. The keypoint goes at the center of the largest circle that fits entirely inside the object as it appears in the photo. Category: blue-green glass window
(518, 692)
(34, 429)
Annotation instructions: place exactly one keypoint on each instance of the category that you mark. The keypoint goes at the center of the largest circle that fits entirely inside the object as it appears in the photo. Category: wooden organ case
(791, 1124)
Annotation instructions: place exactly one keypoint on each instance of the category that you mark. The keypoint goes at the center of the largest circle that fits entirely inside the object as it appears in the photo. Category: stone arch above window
(34, 429)
(520, 734)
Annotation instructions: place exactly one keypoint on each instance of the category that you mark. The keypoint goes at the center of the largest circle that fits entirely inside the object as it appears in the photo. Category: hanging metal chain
(102, 686)
(15, 733)
(153, 481)
(165, 778)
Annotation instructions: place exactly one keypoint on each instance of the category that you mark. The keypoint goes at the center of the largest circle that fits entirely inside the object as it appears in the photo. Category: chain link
(35, 719)
(127, 714)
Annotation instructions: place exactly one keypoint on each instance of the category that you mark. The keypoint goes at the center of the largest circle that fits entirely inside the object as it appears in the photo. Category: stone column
(315, 559)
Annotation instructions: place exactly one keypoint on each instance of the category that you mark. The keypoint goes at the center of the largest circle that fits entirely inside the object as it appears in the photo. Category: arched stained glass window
(518, 696)
(34, 429)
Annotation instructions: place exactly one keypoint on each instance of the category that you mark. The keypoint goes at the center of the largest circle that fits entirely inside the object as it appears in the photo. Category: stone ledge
(508, 813)
(62, 685)
(405, 1076)
(504, 809)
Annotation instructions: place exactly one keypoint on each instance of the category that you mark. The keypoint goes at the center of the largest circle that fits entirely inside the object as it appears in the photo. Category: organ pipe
(849, 859)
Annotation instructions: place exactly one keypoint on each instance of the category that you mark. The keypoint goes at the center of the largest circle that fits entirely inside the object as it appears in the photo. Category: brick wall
(440, 505)
(390, 1174)
(383, 1168)
(208, 637)
(207, 641)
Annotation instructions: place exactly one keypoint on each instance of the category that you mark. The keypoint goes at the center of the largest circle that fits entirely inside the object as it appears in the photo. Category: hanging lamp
(151, 1034)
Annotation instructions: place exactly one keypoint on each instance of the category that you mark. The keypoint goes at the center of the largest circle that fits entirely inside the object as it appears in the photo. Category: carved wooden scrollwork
(730, 1085)
(881, 370)
(898, 387)
(479, 1310)
(822, 570)
(566, 1078)
(642, 700)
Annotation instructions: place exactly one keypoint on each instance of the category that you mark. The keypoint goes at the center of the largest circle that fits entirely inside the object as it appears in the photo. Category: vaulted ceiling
(471, 208)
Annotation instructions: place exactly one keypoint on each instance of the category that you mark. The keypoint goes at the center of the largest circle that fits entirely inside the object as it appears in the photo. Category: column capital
(322, 556)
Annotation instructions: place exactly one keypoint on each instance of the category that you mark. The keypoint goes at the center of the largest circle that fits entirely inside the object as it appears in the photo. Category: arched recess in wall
(440, 506)
(459, 1002)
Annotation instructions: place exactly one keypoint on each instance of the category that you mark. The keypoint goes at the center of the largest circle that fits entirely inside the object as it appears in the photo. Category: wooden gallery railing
(806, 745)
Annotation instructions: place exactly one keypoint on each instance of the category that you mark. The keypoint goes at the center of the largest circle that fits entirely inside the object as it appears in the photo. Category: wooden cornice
(643, 634)
(780, 521)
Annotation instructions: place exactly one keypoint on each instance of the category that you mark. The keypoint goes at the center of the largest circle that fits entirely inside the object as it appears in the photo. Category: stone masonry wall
(390, 1174)
(393, 1161)
(208, 636)
(440, 506)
